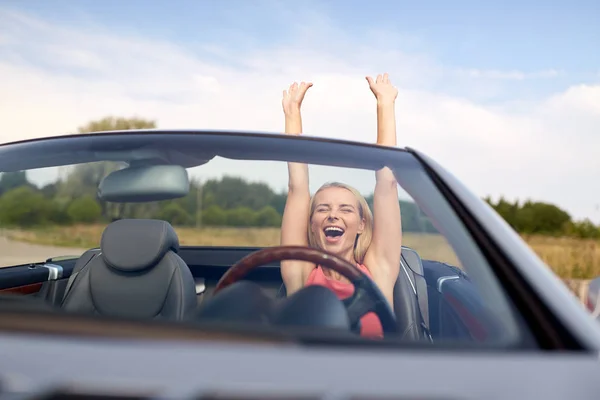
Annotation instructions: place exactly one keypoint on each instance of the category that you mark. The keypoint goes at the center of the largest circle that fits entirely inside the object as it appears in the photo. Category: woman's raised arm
(383, 256)
(294, 225)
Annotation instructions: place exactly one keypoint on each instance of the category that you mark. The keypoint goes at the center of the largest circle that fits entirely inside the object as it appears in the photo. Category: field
(569, 258)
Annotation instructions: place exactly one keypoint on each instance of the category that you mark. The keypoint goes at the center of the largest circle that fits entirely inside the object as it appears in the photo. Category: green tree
(84, 179)
(542, 218)
(111, 123)
(240, 217)
(232, 192)
(267, 217)
(214, 216)
(583, 229)
(413, 219)
(25, 207)
(175, 214)
(12, 180)
(84, 210)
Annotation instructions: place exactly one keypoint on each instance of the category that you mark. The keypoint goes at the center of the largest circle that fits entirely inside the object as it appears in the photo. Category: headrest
(137, 244)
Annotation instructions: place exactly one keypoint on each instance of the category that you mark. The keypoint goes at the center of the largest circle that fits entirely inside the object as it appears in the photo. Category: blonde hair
(363, 240)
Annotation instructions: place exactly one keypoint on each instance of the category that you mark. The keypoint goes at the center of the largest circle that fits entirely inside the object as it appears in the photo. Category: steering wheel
(366, 297)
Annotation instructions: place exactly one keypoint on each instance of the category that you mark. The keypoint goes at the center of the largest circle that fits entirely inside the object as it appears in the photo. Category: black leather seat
(136, 273)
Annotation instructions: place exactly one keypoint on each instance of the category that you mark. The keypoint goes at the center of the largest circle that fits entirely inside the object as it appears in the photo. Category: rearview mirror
(146, 183)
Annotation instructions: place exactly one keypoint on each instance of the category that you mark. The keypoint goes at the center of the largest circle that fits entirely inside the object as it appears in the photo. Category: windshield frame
(194, 148)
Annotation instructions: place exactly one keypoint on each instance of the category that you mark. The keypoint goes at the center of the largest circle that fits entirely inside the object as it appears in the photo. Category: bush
(25, 207)
(175, 215)
(267, 216)
(84, 210)
(214, 216)
(240, 217)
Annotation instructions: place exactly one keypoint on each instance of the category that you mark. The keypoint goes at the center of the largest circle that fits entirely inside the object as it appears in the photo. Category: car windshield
(226, 191)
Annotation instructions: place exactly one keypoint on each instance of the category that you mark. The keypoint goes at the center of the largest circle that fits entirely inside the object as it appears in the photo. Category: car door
(45, 280)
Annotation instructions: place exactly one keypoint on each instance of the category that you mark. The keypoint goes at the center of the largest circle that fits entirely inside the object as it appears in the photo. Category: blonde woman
(337, 218)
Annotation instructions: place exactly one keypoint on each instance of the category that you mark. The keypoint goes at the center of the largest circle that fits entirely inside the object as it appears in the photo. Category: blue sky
(521, 35)
(505, 94)
(509, 36)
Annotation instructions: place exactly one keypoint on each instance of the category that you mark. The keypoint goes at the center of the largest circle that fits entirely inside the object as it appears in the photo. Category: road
(15, 253)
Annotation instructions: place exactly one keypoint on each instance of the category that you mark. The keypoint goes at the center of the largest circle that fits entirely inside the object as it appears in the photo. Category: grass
(87, 236)
(567, 257)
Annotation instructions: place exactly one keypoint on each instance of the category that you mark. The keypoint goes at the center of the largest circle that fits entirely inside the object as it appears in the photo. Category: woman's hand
(292, 98)
(382, 88)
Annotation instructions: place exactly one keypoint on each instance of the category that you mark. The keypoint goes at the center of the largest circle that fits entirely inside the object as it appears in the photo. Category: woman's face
(336, 220)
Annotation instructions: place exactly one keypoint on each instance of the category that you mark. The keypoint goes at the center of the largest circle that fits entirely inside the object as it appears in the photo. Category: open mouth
(333, 233)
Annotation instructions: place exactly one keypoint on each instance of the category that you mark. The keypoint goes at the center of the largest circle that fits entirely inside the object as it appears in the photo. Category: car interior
(150, 276)
(140, 271)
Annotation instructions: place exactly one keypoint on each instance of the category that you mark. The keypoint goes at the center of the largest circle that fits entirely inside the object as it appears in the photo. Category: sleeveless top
(370, 324)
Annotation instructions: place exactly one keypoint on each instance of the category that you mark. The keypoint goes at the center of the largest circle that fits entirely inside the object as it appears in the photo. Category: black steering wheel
(366, 298)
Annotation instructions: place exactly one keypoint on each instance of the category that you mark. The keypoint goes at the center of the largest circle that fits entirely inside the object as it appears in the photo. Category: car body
(501, 327)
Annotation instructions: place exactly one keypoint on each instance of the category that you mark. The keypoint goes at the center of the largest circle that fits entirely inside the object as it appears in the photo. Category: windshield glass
(59, 213)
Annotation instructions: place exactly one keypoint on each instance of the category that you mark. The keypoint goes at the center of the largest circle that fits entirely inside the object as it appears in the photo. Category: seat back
(412, 285)
(136, 274)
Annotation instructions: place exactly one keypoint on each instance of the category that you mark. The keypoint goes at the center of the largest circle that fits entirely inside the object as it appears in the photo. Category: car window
(55, 212)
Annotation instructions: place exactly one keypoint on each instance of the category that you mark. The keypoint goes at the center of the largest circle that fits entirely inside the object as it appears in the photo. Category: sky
(505, 95)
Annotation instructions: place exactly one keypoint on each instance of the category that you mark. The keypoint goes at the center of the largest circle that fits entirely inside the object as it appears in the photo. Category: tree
(84, 179)
(85, 210)
(240, 217)
(25, 207)
(175, 215)
(116, 124)
(13, 180)
(267, 217)
(214, 216)
(542, 218)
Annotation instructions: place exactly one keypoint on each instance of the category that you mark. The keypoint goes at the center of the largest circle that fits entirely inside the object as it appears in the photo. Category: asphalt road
(15, 253)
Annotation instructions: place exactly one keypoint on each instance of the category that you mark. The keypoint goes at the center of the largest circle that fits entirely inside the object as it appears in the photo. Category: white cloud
(54, 78)
(508, 75)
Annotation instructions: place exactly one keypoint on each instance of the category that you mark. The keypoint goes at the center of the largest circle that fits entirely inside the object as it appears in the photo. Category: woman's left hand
(383, 89)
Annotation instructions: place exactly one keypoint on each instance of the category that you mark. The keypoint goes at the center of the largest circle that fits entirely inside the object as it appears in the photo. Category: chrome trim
(55, 272)
(200, 285)
(408, 276)
(443, 279)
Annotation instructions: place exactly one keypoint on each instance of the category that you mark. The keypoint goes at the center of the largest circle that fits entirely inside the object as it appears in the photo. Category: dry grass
(569, 258)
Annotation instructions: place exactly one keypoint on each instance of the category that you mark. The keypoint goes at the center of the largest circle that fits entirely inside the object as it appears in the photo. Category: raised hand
(292, 98)
(383, 89)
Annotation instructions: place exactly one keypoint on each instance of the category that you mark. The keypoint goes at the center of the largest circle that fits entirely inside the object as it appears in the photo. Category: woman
(337, 219)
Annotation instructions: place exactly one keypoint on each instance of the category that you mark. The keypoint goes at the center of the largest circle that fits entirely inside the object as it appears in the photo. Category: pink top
(370, 324)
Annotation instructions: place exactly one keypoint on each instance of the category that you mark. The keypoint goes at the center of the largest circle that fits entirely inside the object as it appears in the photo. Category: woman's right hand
(292, 98)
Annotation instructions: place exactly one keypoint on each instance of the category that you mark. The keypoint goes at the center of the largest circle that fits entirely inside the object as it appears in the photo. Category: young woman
(337, 218)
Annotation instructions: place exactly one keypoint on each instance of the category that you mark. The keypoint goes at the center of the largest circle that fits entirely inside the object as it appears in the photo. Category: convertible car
(149, 299)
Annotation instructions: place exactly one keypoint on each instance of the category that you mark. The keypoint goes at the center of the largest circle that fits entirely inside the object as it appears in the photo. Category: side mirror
(592, 301)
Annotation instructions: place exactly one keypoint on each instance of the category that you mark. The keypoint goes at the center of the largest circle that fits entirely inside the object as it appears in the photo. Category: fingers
(303, 86)
(385, 78)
